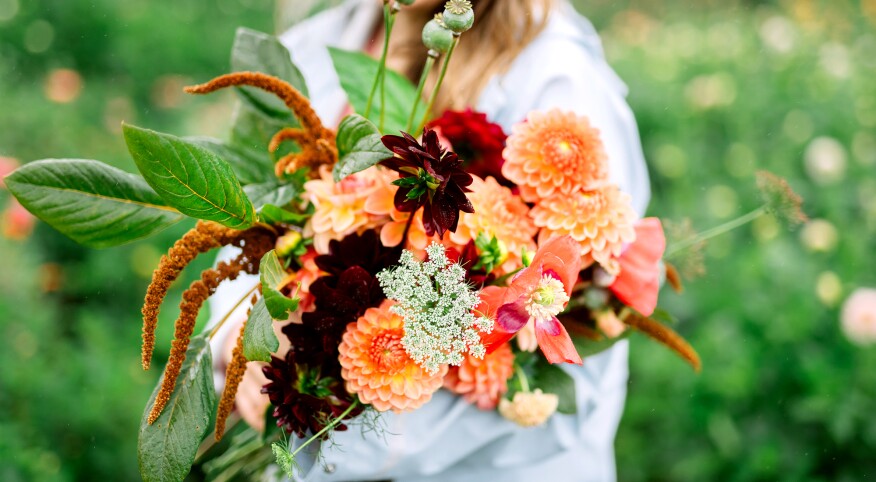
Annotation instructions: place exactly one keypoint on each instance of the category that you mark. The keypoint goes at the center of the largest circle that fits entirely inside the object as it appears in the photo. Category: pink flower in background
(638, 282)
(858, 317)
(16, 222)
(7, 165)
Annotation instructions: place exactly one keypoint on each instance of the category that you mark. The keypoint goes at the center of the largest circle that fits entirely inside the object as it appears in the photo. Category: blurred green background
(720, 89)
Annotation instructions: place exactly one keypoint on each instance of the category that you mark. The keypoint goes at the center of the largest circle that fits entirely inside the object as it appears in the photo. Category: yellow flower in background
(529, 409)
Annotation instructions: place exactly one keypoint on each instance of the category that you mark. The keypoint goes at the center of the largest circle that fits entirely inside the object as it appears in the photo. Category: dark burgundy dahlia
(304, 399)
(429, 177)
(476, 140)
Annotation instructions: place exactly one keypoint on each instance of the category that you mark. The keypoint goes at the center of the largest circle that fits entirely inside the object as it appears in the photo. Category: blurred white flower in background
(858, 317)
(819, 235)
(778, 34)
(709, 91)
(825, 160)
(828, 288)
(835, 60)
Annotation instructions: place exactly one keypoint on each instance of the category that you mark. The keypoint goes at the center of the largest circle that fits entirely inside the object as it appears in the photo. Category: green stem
(430, 62)
(521, 378)
(438, 84)
(329, 426)
(390, 21)
(717, 231)
(387, 27)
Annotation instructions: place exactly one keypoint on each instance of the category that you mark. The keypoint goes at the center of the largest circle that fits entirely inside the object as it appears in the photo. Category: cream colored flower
(529, 409)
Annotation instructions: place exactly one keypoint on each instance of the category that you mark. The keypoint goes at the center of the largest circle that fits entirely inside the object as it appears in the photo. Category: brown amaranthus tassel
(233, 375)
(316, 141)
(665, 335)
(204, 237)
(673, 277)
(254, 243)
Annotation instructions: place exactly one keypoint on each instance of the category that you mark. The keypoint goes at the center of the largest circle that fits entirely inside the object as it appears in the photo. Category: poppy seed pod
(436, 36)
(458, 15)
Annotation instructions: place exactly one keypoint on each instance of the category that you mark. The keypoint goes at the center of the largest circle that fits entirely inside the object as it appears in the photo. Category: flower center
(547, 299)
(387, 352)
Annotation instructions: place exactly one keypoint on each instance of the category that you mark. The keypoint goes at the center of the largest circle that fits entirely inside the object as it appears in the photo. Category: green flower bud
(288, 243)
(437, 37)
(458, 15)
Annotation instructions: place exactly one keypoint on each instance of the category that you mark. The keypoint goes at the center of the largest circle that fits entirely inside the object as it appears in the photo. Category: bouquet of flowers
(396, 265)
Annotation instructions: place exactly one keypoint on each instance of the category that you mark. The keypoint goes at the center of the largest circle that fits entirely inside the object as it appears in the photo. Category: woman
(521, 55)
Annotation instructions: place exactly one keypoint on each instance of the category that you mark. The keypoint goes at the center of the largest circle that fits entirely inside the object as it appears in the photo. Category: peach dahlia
(554, 152)
(377, 368)
(600, 220)
(482, 382)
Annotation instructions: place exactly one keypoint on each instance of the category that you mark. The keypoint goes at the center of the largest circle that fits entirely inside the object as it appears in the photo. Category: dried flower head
(689, 261)
(529, 409)
(458, 7)
(436, 304)
(781, 201)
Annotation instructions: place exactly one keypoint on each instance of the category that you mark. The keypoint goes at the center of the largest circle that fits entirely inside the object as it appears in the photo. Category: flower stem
(717, 231)
(430, 62)
(388, 17)
(521, 378)
(329, 426)
(228, 313)
(440, 81)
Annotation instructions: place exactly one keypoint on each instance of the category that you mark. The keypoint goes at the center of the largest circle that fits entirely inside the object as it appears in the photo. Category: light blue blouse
(448, 439)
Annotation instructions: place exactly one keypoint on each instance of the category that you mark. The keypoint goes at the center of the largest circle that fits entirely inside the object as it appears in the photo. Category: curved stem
(245, 297)
(716, 231)
(521, 378)
(387, 27)
(437, 87)
(430, 62)
(329, 426)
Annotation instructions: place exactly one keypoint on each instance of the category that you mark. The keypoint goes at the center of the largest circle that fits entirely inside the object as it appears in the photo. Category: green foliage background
(720, 89)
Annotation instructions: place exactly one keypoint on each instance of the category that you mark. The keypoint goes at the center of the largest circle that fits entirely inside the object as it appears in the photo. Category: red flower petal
(557, 348)
(638, 283)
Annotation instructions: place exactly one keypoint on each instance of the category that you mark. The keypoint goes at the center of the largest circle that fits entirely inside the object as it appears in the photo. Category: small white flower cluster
(436, 304)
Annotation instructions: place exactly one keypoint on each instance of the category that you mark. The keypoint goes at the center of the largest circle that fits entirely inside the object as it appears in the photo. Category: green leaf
(270, 192)
(259, 52)
(273, 275)
(259, 340)
(94, 204)
(249, 168)
(356, 71)
(359, 146)
(251, 132)
(190, 178)
(664, 317)
(271, 214)
(167, 448)
(552, 379)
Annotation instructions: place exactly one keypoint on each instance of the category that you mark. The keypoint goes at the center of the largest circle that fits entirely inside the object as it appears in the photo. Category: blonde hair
(502, 29)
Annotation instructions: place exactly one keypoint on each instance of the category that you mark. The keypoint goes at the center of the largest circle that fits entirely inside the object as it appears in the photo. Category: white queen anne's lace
(436, 303)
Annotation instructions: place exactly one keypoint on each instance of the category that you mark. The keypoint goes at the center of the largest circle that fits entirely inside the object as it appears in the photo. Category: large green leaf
(251, 132)
(259, 52)
(271, 192)
(250, 169)
(273, 275)
(259, 339)
(356, 71)
(190, 178)
(552, 379)
(94, 204)
(167, 448)
(359, 146)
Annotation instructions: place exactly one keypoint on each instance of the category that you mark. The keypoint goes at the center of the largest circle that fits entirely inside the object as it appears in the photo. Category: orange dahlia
(498, 213)
(376, 366)
(601, 221)
(482, 381)
(340, 207)
(554, 152)
(380, 203)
